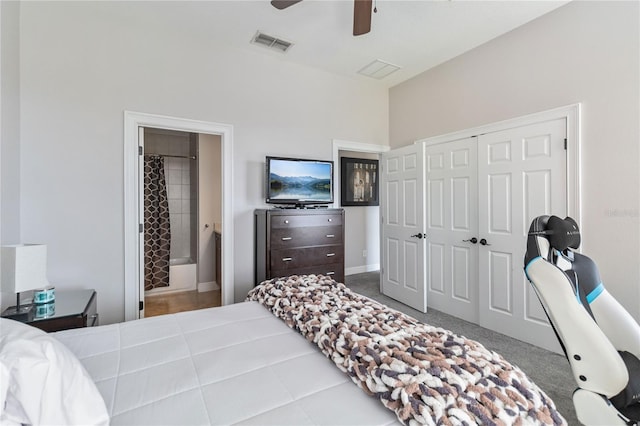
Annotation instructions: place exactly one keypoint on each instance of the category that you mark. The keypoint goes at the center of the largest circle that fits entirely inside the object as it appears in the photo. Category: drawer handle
(330, 220)
(330, 254)
(286, 221)
(331, 273)
(330, 236)
(287, 259)
(286, 238)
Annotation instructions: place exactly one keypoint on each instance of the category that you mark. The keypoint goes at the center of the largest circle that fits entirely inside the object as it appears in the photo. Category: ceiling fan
(361, 13)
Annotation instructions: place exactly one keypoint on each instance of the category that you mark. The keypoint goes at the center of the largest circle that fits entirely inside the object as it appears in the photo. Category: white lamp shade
(24, 267)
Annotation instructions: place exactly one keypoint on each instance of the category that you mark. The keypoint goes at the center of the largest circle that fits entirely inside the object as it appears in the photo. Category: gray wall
(84, 63)
(9, 129)
(10, 121)
(587, 52)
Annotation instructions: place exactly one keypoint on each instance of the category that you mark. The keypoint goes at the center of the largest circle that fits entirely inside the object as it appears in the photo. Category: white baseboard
(361, 269)
(208, 286)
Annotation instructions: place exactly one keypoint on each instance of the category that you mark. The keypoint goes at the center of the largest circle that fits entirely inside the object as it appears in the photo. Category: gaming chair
(599, 337)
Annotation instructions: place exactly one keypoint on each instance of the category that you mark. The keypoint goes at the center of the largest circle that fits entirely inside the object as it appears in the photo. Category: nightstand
(73, 309)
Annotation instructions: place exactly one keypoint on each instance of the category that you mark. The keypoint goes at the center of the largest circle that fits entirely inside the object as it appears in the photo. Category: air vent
(378, 69)
(271, 42)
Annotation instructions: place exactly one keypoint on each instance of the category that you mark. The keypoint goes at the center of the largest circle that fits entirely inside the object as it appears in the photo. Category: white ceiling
(415, 35)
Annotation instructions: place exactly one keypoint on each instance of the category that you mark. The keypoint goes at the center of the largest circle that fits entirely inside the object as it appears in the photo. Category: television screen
(298, 181)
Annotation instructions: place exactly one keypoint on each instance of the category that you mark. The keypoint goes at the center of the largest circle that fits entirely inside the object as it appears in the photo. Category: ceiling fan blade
(283, 4)
(361, 16)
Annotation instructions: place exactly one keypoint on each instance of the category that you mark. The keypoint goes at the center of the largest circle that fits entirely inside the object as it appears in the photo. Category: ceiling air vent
(271, 42)
(378, 69)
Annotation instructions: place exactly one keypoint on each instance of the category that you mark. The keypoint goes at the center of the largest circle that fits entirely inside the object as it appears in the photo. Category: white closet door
(522, 174)
(402, 202)
(452, 225)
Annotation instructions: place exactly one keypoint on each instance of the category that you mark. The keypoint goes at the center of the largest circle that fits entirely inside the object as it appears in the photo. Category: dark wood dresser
(299, 241)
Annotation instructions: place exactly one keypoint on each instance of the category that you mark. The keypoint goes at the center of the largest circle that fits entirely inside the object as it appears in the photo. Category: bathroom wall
(210, 207)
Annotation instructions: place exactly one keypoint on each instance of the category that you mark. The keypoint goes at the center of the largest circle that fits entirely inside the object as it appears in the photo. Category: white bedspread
(235, 364)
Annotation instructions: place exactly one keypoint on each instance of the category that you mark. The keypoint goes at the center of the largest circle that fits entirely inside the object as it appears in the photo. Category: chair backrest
(591, 325)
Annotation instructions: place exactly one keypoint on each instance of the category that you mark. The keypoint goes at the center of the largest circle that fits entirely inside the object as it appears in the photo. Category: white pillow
(42, 382)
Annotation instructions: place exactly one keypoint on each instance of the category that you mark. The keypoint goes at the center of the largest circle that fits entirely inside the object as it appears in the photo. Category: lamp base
(22, 313)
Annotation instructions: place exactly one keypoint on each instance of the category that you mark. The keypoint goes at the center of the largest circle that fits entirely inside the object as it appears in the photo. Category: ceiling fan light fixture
(378, 69)
(271, 42)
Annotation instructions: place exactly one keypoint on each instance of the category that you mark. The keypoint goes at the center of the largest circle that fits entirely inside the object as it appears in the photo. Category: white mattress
(228, 365)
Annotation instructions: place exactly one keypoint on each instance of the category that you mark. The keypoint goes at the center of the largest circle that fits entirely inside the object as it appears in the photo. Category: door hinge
(565, 144)
(140, 228)
(140, 150)
(140, 305)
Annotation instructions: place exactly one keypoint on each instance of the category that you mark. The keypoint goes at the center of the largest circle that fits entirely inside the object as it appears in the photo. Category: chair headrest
(551, 232)
(563, 233)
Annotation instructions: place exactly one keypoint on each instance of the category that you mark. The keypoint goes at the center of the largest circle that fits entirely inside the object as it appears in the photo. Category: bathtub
(182, 276)
(181, 261)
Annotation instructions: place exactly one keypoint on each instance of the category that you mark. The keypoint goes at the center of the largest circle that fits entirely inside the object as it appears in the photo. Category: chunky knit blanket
(425, 374)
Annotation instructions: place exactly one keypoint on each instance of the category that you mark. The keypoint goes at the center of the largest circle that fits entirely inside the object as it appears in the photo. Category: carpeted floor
(548, 370)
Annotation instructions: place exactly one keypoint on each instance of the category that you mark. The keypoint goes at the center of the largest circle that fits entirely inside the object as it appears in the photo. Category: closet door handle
(484, 242)
(471, 240)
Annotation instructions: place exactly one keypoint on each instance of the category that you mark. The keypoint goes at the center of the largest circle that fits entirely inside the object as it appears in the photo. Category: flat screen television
(299, 182)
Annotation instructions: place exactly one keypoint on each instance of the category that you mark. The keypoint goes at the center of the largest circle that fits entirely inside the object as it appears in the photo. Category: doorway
(362, 231)
(182, 217)
(134, 209)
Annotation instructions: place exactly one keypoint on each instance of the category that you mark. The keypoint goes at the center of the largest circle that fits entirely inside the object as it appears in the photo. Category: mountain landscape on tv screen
(299, 187)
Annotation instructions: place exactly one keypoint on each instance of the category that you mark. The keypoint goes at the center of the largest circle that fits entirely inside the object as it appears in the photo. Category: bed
(301, 350)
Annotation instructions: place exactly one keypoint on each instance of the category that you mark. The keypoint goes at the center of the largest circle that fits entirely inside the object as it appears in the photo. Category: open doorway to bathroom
(134, 124)
(182, 220)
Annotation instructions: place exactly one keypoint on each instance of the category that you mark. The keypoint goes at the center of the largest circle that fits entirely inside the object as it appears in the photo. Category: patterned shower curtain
(157, 231)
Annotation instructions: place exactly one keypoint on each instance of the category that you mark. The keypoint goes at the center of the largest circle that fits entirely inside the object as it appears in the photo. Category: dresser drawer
(334, 271)
(305, 220)
(306, 236)
(287, 259)
(299, 241)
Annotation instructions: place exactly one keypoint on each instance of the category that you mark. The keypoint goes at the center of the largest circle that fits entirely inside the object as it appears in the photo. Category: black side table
(73, 309)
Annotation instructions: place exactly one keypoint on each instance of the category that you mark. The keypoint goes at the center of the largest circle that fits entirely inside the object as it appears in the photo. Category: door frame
(569, 112)
(338, 145)
(132, 191)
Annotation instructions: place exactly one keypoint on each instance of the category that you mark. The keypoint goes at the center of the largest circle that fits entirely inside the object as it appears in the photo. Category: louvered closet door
(452, 223)
(522, 174)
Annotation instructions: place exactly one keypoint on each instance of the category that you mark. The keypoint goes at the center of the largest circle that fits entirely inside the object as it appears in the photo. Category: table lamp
(24, 268)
